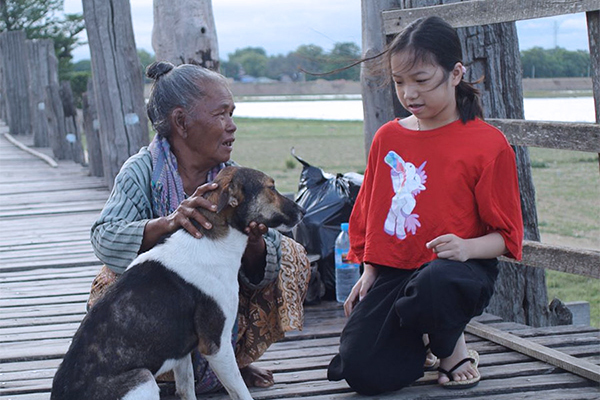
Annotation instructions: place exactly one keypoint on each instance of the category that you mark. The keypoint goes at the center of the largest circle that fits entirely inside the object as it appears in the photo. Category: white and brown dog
(179, 296)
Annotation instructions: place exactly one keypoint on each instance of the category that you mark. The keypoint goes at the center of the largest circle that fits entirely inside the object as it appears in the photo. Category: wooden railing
(486, 12)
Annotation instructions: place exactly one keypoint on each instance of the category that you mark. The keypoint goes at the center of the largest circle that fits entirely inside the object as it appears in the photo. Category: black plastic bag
(328, 200)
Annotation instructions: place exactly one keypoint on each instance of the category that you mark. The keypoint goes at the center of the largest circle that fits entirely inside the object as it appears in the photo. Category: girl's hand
(455, 248)
(450, 246)
(187, 211)
(360, 289)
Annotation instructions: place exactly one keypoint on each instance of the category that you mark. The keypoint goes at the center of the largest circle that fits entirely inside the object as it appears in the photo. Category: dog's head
(245, 195)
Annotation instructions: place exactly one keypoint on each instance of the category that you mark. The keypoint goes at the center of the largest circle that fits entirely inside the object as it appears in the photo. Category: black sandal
(468, 383)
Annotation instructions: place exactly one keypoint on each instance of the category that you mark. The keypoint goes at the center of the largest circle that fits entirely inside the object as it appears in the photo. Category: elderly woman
(158, 192)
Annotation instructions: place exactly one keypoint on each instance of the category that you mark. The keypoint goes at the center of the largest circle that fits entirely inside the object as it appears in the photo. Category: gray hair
(180, 86)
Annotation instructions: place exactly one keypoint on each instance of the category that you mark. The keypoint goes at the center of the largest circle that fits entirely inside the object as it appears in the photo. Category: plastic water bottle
(346, 272)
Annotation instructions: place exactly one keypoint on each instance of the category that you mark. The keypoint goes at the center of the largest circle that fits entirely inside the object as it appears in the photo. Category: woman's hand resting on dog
(181, 218)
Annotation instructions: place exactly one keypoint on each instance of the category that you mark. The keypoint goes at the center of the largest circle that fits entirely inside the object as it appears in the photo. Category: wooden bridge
(47, 266)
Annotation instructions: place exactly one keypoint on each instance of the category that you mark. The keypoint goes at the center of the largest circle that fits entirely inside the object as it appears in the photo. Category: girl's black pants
(381, 346)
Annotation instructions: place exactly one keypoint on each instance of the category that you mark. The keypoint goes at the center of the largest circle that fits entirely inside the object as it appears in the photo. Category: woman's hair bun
(158, 69)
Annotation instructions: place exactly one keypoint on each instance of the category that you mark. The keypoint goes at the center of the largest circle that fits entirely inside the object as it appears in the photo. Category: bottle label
(341, 259)
(345, 258)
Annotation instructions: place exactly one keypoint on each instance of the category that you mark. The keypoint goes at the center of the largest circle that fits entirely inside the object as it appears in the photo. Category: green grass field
(265, 144)
(567, 183)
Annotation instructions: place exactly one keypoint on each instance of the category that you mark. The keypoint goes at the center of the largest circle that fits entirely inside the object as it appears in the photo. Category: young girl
(439, 202)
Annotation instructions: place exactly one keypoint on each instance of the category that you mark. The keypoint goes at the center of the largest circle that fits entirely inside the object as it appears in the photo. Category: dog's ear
(226, 199)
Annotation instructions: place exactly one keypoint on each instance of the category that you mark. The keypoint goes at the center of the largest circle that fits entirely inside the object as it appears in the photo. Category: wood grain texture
(485, 12)
(184, 32)
(118, 82)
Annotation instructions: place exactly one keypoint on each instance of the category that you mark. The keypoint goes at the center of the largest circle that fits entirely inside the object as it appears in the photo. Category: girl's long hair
(432, 39)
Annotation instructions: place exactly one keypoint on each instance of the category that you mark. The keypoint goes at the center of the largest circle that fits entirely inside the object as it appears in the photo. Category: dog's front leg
(224, 365)
(184, 378)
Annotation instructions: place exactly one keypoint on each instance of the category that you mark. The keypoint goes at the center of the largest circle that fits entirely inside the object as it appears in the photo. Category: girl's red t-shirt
(418, 185)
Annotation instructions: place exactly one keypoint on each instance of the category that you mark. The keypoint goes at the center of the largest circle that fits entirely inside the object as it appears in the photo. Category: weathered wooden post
(40, 51)
(13, 50)
(73, 136)
(521, 294)
(56, 122)
(118, 82)
(91, 127)
(2, 90)
(184, 32)
(377, 89)
(593, 24)
(55, 118)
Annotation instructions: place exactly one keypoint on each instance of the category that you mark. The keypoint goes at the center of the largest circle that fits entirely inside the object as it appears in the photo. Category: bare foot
(257, 377)
(464, 372)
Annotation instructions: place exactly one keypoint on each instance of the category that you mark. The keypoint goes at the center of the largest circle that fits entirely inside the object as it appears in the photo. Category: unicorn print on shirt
(407, 182)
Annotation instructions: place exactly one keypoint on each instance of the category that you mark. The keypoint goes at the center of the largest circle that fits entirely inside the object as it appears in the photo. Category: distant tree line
(307, 62)
(553, 63)
(43, 20)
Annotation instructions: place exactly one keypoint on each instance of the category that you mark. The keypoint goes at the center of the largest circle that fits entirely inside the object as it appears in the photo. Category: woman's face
(209, 125)
(424, 89)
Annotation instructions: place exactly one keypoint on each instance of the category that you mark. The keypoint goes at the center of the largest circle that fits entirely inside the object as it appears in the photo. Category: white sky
(280, 26)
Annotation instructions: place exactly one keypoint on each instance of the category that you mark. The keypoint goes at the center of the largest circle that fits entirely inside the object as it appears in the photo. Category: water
(339, 110)
(345, 278)
(565, 109)
(347, 273)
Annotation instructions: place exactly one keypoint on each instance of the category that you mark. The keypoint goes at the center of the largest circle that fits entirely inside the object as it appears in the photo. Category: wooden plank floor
(47, 266)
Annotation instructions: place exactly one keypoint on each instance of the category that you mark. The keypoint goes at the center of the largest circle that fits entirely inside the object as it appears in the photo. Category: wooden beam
(485, 12)
(49, 160)
(593, 25)
(118, 83)
(15, 81)
(559, 359)
(557, 258)
(184, 31)
(377, 89)
(551, 135)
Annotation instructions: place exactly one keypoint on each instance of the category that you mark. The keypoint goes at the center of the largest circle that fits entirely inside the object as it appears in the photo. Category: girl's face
(424, 89)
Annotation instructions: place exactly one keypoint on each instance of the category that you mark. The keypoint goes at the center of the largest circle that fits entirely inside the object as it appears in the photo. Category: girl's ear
(177, 118)
(457, 73)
